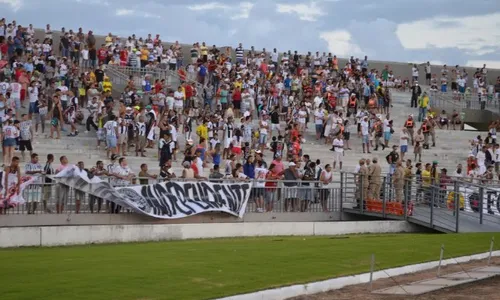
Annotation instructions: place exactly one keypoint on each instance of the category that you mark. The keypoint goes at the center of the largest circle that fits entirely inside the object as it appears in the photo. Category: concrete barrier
(97, 234)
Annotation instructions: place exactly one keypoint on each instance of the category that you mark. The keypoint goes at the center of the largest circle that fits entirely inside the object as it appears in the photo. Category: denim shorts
(32, 107)
(319, 128)
(263, 138)
(387, 136)
(366, 139)
(111, 141)
(404, 149)
(9, 142)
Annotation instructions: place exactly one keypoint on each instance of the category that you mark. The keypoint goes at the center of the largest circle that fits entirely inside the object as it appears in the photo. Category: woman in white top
(9, 133)
(237, 141)
(325, 178)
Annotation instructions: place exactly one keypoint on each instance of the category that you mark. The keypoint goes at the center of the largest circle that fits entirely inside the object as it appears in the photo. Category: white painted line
(338, 283)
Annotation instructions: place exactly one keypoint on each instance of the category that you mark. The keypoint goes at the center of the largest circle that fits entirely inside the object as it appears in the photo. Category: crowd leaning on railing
(233, 115)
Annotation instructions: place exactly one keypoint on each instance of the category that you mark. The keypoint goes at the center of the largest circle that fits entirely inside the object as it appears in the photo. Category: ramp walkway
(459, 207)
(441, 282)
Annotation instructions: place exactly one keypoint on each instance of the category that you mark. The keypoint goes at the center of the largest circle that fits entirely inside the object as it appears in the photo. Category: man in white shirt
(4, 86)
(365, 132)
(403, 142)
(338, 146)
(111, 131)
(496, 157)
(33, 97)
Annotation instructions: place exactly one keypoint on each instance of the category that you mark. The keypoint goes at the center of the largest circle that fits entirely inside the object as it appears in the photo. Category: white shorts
(227, 143)
(276, 127)
(338, 156)
(179, 104)
(122, 139)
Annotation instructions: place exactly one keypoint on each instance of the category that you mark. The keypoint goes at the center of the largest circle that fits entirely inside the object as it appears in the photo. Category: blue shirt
(288, 83)
(367, 91)
(249, 170)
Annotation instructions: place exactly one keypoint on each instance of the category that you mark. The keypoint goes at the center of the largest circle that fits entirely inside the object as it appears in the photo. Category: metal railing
(285, 196)
(447, 205)
(451, 205)
(461, 101)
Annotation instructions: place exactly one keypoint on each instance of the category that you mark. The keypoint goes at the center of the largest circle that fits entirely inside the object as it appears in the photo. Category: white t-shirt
(339, 145)
(387, 128)
(110, 127)
(33, 94)
(85, 54)
(414, 72)
(15, 90)
(364, 127)
(10, 132)
(63, 69)
(263, 128)
(461, 82)
(318, 117)
(403, 139)
(4, 86)
(317, 101)
(481, 157)
(496, 156)
(170, 102)
(302, 116)
(64, 90)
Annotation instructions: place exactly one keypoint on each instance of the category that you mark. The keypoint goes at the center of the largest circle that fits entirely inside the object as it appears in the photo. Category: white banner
(166, 200)
(12, 196)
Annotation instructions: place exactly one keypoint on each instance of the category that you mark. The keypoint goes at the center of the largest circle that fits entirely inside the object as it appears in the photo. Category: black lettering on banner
(169, 199)
(230, 197)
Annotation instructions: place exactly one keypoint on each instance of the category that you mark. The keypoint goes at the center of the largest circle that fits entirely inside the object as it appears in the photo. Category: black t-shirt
(394, 157)
(275, 117)
(99, 75)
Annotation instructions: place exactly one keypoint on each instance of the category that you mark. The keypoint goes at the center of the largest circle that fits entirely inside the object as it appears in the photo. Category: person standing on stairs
(416, 91)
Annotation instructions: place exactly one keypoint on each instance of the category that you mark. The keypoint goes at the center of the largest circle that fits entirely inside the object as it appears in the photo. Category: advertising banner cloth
(10, 196)
(166, 200)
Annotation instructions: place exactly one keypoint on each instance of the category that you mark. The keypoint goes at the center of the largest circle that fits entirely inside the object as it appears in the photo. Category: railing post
(342, 176)
(384, 201)
(457, 206)
(431, 204)
(481, 205)
(406, 198)
(492, 243)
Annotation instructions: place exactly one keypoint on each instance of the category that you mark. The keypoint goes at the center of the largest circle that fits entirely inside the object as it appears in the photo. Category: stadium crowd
(234, 114)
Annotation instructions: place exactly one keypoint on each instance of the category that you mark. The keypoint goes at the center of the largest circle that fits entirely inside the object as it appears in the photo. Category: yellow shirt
(92, 77)
(108, 40)
(144, 54)
(184, 93)
(238, 84)
(424, 102)
(107, 86)
(202, 131)
(426, 178)
(204, 50)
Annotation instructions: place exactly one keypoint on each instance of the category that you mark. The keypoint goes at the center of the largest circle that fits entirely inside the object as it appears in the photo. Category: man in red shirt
(102, 54)
(188, 90)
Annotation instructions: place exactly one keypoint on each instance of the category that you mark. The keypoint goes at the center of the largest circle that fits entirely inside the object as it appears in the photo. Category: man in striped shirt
(239, 54)
(34, 190)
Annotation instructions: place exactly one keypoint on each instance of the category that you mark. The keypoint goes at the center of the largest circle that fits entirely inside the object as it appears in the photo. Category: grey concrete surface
(438, 283)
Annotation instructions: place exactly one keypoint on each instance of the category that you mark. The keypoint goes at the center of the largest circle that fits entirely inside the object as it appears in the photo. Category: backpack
(387, 158)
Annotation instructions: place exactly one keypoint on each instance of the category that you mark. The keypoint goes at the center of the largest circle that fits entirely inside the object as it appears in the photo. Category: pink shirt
(279, 167)
(60, 168)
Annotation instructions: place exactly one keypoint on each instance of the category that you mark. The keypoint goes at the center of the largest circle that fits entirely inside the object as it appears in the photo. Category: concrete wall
(74, 235)
(15, 220)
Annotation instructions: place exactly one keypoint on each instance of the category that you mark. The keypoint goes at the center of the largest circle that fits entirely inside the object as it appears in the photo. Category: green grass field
(206, 269)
